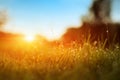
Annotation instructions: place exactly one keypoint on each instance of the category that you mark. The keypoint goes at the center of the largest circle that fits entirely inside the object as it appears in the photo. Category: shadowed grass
(45, 62)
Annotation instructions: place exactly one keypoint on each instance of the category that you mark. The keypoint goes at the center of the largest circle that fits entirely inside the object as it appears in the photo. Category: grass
(46, 62)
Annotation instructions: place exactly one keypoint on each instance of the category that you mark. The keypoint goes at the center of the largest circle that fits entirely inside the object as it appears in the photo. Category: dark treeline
(97, 27)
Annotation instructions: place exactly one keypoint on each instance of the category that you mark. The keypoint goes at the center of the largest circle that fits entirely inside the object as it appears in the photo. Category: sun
(29, 38)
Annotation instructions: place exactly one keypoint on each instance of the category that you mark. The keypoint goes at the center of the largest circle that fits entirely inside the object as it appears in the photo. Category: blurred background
(50, 18)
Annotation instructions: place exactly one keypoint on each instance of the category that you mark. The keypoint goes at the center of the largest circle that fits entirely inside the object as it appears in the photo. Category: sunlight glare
(29, 38)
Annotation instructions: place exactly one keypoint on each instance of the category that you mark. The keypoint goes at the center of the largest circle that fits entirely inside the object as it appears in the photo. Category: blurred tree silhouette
(3, 18)
(97, 26)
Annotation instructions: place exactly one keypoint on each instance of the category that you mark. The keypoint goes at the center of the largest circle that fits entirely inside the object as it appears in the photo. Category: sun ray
(29, 38)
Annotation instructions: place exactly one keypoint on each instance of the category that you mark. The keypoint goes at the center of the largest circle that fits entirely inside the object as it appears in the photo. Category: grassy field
(31, 61)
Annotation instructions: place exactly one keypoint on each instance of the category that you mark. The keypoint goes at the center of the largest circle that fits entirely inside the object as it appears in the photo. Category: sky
(49, 18)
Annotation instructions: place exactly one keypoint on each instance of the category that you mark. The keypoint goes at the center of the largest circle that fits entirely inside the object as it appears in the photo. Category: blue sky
(49, 18)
